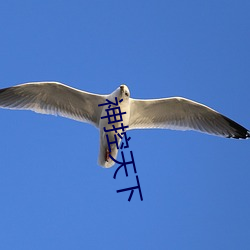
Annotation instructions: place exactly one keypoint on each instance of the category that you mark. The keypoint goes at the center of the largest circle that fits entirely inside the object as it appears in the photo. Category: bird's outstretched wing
(53, 98)
(182, 114)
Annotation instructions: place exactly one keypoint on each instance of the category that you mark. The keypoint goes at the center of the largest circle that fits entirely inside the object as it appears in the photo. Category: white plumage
(168, 113)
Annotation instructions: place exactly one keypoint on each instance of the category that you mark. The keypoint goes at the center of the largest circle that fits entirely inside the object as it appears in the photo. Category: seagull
(175, 113)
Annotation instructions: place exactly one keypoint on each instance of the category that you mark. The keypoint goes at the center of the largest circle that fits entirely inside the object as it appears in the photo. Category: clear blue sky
(196, 187)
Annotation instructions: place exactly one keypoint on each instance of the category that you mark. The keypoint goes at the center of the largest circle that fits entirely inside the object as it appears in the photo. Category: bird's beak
(122, 88)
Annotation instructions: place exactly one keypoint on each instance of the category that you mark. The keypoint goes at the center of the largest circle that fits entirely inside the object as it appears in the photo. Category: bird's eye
(126, 93)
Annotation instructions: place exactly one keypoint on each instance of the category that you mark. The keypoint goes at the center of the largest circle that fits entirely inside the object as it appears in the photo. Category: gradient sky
(196, 187)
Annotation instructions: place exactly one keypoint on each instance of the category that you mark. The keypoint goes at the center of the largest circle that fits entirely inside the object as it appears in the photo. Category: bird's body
(167, 113)
(104, 158)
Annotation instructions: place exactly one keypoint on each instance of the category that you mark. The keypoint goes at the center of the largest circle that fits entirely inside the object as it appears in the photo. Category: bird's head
(124, 91)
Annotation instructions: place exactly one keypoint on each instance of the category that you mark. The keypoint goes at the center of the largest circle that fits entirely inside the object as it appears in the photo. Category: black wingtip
(239, 131)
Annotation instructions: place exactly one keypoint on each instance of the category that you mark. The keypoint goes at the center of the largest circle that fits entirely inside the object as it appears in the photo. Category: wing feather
(182, 114)
(54, 98)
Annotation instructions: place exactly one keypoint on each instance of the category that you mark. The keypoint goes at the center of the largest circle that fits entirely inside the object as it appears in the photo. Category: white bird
(167, 113)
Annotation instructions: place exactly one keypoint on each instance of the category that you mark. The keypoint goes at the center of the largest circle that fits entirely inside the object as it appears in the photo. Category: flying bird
(175, 113)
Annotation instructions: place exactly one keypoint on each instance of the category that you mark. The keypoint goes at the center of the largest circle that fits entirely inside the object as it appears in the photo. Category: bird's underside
(167, 113)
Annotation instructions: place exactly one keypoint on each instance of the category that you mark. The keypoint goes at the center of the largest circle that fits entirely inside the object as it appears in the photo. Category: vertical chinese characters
(116, 134)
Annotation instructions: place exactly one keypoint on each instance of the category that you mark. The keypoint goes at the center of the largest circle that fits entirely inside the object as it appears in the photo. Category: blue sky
(195, 187)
